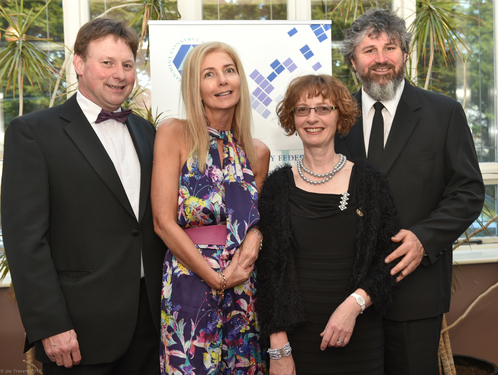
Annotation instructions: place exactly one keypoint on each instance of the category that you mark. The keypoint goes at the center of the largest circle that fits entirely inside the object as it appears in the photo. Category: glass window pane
(47, 25)
(117, 10)
(479, 77)
(488, 212)
(244, 9)
(471, 79)
(97, 7)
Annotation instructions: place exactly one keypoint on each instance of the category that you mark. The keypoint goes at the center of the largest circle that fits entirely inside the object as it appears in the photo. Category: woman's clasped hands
(235, 273)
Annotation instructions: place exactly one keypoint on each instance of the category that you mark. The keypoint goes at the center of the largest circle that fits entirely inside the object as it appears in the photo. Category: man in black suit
(422, 142)
(77, 222)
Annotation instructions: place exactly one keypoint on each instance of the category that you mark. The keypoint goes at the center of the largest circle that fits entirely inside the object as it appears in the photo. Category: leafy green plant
(132, 102)
(435, 25)
(21, 58)
(353, 7)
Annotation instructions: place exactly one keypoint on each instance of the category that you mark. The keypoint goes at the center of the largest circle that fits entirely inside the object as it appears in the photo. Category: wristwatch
(360, 301)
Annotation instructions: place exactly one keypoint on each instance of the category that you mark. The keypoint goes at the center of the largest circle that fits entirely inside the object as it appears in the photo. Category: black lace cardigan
(279, 304)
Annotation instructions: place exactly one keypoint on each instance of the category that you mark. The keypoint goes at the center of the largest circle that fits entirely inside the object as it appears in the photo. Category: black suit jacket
(72, 240)
(433, 172)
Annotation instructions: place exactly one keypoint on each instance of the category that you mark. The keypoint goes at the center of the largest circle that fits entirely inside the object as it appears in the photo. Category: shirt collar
(89, 108)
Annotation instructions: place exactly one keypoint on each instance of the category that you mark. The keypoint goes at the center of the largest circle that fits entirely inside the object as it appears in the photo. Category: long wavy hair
(196, 132)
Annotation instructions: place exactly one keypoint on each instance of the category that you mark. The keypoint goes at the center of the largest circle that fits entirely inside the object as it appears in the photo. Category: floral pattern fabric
(201, 334)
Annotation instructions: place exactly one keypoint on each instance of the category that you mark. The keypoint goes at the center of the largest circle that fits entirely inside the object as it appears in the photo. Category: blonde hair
(196, 133)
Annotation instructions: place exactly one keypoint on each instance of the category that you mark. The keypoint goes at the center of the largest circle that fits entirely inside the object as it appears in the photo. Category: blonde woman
(206, 176)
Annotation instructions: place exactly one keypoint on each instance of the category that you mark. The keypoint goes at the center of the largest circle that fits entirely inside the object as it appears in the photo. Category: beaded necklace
(328, 175)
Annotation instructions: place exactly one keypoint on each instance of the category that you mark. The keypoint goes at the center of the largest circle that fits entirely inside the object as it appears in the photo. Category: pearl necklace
(328, 175)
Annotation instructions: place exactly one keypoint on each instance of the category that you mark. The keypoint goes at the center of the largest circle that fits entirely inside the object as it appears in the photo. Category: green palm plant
(435, 25)
(346, 7)
(21, 58)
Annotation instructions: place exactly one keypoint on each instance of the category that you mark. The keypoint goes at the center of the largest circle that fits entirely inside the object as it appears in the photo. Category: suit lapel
(144, 156)
(404, 123)
(354, 139)
(84, 137)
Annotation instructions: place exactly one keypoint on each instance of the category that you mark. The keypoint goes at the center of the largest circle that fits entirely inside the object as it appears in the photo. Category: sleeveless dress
(201, 334)
(324, 228)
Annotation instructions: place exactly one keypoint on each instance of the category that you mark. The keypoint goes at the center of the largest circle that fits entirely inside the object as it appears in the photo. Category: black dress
(324, 242)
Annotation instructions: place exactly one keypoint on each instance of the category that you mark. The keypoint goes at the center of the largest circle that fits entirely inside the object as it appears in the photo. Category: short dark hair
(99, 28)
(372, 23)
(312, 86)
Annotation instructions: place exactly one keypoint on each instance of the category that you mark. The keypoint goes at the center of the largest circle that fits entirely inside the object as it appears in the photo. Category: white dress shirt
(118, 144)
(388, 113)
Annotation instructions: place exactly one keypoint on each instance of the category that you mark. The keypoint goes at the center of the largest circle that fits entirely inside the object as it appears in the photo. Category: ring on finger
(340, 341)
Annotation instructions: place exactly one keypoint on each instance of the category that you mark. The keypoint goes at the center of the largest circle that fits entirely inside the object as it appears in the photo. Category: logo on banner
(290, 156)
(178, 53)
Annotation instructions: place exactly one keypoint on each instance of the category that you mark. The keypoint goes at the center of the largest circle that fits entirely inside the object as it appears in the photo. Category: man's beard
(379, 91)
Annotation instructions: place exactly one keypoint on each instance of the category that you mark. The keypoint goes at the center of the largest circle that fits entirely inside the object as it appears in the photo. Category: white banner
(272, 52)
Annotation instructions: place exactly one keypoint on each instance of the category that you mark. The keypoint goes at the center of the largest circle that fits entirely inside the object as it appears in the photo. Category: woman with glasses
(327, 222)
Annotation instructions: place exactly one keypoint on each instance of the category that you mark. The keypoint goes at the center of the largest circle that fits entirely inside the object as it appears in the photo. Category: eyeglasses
(320, 110)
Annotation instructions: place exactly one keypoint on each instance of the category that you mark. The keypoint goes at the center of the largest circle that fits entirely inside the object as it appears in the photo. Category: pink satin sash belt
(208, 235)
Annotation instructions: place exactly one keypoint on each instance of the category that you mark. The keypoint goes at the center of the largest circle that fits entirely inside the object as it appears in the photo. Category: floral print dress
(201, 334)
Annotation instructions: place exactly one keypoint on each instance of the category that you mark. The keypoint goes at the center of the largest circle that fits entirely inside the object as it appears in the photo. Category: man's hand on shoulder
(411, 250)
(63, 349)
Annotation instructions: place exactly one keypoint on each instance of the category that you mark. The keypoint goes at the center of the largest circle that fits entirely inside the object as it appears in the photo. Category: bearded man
(422, 142)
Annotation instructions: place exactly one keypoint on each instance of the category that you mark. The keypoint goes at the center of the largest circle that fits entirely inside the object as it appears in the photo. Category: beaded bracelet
(258, 232)
(284, 351)
(223, 284)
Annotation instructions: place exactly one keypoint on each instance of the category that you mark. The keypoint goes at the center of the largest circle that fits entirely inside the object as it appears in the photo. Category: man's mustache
(382, 66)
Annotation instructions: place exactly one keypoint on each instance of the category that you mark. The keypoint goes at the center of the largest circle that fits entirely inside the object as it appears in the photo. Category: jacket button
(135, 232)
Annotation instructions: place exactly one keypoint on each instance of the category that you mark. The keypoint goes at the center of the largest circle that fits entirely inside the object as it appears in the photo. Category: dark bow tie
(118, 116)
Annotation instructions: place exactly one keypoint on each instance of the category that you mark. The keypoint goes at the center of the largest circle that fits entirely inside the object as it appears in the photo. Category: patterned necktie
(118, 116)
(376, 143)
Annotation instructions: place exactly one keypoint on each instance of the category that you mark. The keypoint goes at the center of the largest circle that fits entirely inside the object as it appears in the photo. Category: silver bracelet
(258, 232)
(284, 351)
